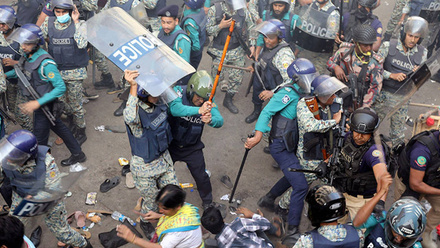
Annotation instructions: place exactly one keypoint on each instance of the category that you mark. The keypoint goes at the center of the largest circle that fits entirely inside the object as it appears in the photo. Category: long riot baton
(239, 171)
(220, 65)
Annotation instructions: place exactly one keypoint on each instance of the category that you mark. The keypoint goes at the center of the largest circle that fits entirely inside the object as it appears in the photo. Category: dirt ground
(223, 153)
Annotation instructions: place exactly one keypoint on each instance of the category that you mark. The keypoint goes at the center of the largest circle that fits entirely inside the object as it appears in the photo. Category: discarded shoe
(148, 229)
(80, 218)
(226, 181)
(109, 184)
(36, 236)
(73, 159)
(129, 182)
(125, 169)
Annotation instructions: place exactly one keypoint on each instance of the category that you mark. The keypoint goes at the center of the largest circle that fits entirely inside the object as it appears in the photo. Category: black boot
(120, 110)
(80, 135)
(291, 237)
(267, 201)
(227, 102)
(254, 115)
(73, 159)
(106, 82)
(148, 229)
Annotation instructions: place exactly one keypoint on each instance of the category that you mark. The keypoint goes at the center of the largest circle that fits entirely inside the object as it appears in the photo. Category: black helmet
(368, 3)
(326, 204)
(364, 120)
(364, 34)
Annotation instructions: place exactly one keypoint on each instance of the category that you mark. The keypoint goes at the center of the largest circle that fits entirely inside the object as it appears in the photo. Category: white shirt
(188, 239)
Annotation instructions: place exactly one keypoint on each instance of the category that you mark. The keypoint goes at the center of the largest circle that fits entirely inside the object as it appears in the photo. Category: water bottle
(118, 216)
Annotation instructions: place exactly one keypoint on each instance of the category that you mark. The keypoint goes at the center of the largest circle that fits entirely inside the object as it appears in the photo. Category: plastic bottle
(118, 216)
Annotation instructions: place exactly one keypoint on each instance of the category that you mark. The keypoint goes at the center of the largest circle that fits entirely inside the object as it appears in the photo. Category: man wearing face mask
(362, 15)
(359, 62)
(402, 56)
(67, 44)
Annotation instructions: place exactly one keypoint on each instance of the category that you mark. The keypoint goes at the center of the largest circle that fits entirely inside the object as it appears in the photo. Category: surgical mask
(64, 18)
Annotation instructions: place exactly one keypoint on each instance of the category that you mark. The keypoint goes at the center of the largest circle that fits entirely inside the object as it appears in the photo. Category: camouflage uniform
(374, 71)
(14, 96)
(387, 99)
(150, 177)
(334, 233)
(306, 123)
(73, 78)
(401, 7)
(234, 56)
(153, 22)
(56, 218)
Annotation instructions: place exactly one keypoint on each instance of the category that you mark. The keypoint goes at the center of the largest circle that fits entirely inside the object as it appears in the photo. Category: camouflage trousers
(101, 62)
(233, 57)
(56, 221)
(73, 102)
(397, 121)
(318, 59)
(395, 16)
(154, 23)
(15, 98)
(150, 178)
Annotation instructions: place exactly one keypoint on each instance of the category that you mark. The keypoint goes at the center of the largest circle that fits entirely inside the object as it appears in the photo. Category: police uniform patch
(180, 50)
(51, 75)
(421, 161)
(285, 65)
(285, 99)
(379, 30)
(376, 153)
(52, 174)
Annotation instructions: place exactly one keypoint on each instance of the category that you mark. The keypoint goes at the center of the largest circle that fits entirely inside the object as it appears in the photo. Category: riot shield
(313, 34)
(48, 197)
(414, 81)
(126, 43)
(431, 13)
(236, 4)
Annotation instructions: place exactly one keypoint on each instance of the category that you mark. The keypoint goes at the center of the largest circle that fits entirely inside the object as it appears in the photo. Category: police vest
(270, 74)
(30, 70)
(432, 173)
(397, 62)
(159, 5)
(353, 22)
(170, 39)
(350, 180)
(287, 23)
(63, 48)
(314, 142)
(350, 241)
(240, 26)
(125, 6)
(156, 134)
(200, 19)
(186, 130)
(28, 11)
(10, 51)
(32, 183)
(376, 238)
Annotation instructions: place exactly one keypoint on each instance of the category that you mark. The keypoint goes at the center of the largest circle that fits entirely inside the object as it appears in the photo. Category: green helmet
(200, 83)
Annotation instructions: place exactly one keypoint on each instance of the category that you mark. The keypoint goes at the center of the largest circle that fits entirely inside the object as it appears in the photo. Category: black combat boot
(254, 115)
(80, 135)
(106, 82)
(268, 202)
(120, 110)
(227, 102)
(73, 159)
(291, 236)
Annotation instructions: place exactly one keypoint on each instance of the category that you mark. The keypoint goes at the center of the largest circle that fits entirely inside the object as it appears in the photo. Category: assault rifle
(354, 86)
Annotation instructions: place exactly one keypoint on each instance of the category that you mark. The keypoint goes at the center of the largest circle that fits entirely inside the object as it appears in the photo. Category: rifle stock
(334, 159)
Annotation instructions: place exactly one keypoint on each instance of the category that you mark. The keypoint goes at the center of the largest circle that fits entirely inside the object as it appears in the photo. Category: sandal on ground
(109, 184)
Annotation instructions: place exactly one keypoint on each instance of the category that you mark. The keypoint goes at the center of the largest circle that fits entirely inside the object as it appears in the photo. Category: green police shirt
(182, 44)
(190, 27)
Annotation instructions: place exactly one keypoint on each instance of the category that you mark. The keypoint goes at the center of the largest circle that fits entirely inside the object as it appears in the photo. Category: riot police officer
(274, 60)
(362, 162)
(31, 168)
(326, 206)
(45, 78)
(402, 56)
(359, 67)
(418, 175)
(67, 44)
(187, 145)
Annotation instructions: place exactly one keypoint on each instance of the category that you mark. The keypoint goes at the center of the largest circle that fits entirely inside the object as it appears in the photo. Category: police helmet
(287, 2)
(141, 92)
(17, 148)
(302, 71)
(62, 4)
(364, 34)
(368, 3)
(194, 4)
(325, 86)
(364, 120)
(271, 27)
(407, 218)
(326, 204)
(7, 15)
(27, 34)
(201, 84)
(417, 26)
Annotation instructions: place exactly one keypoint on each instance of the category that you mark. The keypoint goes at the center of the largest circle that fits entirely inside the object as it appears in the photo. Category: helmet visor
(168, 96)
(237, 4)
(305, 81)
(396, 240)
(23, 36)
(7, 18)
(61, 4)
(267, 29)
(329, 87)
(10, 156)
(416, 26)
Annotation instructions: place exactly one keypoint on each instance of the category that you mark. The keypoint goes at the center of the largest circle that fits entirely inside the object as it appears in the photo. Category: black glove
(321, 170)
(378, 209)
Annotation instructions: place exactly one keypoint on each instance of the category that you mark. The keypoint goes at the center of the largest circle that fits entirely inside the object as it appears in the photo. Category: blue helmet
(271, 27)
(141, 92)
(407, 218)
(17, 148)
(7, 15)
(325, 86)
(280, 26)
(194, 4)
(302, 71)
(28, 34)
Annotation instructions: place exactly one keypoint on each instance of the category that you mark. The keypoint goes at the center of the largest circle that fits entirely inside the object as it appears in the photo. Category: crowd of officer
(320, 108)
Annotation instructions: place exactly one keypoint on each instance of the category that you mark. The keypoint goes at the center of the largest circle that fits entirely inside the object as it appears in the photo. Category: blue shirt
(376, 24)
